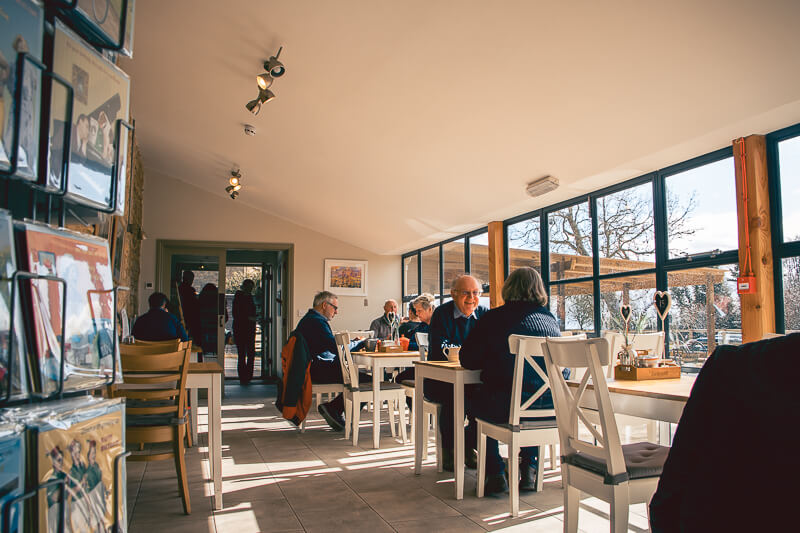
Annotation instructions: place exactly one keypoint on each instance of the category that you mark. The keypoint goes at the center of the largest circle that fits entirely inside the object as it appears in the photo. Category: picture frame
(98, 124)
(346, 277)
(101, 24)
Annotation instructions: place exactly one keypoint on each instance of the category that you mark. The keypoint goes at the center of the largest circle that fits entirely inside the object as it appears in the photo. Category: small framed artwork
(345, 277)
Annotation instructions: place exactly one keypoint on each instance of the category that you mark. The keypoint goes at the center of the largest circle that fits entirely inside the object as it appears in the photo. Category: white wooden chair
(539, 430)
(640, 341)
(355, 393)
(620, 475)
(319, 390)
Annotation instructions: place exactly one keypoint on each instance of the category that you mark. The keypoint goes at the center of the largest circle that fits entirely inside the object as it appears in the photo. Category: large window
(430, 271)
(625, 230)
(524, 244)
(570, 230)
(573, 306)
(453, 253)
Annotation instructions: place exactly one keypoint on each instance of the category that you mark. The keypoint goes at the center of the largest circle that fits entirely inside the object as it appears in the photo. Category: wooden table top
(664, 389)
(442, 364)
(206, 367)
(385, 354)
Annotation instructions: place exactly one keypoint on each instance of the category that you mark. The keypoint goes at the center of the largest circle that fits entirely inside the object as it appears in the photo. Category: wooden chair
(355, 393)
(620, 475)
(538, 429)
(155, 389)
(320, 391)
(430, 410)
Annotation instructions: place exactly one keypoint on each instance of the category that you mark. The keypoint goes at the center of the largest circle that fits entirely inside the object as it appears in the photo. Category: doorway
(219, 270)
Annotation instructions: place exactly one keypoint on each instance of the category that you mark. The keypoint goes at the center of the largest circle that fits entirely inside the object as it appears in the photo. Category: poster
(101, 96)
(12, 470)
(18, 379)
(21, 30)
(102, 18)
(80, 446)
(83, 262)
(345, 277)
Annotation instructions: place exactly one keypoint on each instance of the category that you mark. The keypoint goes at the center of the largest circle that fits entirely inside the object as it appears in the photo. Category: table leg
(376, 406)
(215, 429)
(193, 403)
(458, 433)
(419, 435)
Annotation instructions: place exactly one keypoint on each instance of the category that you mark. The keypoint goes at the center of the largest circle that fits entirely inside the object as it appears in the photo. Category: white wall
(174, 209)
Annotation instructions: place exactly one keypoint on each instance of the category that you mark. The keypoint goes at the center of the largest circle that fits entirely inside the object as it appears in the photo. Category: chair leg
(620, 505)
(189, 443)
(481, 462)
(180, 469)
(401, 410)
(348, 417)
(355, 410)
(552, 457)
(513, 475)
(438, 436)
(390, 404)
(572, 500)
(413, 418)
(540, 469)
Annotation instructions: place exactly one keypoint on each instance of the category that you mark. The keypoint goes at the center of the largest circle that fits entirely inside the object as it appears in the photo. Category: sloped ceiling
(400, 123)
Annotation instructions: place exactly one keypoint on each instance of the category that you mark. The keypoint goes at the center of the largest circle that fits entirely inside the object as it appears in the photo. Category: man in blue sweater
(158, 324)
(450, 324)
(325, 365)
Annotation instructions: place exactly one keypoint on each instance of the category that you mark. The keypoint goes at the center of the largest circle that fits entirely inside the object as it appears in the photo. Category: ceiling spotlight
(233, 191)
(235, 178)
(234, 184)
(274, 67)
(264, 80)
(264, 96)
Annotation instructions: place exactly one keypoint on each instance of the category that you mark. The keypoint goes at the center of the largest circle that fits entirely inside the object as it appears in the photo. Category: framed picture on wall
(346, 277)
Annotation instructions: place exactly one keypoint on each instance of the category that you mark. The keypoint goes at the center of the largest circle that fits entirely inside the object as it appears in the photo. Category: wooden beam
(758, 309)
(496, 264)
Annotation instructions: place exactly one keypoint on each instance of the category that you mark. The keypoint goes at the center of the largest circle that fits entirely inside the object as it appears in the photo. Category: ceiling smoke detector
(249, 130)
(541, 186)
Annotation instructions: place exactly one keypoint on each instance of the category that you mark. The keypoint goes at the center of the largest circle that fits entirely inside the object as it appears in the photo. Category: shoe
(495, 484)
(527, 476)
(334, 420)
(471, 459)
(447, 460)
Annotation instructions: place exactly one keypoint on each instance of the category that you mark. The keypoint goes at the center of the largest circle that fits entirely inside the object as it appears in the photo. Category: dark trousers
(492, 406)
(331, 372)
(246, 348)
(442, 393)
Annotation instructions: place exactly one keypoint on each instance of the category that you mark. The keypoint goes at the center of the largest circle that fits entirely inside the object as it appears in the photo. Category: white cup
(452, 353)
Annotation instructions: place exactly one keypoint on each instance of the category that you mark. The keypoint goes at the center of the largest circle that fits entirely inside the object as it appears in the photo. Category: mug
(452, 353)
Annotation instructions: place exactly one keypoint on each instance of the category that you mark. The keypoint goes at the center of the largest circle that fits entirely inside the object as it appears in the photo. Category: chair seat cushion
(642, 460)
(537, 423)
(408, 383)
(384, 386)
(167, 419)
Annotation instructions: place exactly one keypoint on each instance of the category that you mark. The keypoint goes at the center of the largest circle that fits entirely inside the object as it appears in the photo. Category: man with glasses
(450, 324)
(325, 366)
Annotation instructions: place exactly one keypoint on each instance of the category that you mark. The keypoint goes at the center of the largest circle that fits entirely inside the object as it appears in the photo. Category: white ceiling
(402, 123)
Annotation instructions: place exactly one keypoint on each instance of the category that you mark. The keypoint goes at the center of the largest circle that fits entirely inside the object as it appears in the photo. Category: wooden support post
(758, 309)
(496, 264)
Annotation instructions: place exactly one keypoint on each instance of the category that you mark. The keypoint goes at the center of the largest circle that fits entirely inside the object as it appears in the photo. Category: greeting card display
(77, 440)
(21, 31)
(100, 21)
(89, 343)
(13, 386)
(98, 150)
(12, 470)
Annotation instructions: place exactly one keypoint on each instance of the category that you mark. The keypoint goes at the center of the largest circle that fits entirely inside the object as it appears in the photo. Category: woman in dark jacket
(486, 349)
(207, 309)
(244, 330)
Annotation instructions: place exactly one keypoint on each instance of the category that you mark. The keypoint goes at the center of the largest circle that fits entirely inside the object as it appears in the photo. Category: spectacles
(474, 294)
(335, 307)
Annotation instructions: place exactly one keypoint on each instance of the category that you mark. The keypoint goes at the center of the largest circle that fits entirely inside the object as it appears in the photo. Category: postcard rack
(8, 505)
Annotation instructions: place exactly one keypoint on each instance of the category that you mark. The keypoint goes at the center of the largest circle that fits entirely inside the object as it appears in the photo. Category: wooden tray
(390, 349)
(634, 373)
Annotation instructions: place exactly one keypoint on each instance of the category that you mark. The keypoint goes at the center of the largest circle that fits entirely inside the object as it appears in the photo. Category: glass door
(191, 278)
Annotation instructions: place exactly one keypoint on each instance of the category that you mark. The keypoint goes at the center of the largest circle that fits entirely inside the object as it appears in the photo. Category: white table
(208, 375)
(378, 361)
(459, 376)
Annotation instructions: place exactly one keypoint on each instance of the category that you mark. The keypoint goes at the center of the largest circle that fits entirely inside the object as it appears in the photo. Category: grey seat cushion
(408, 383)
(642, 460)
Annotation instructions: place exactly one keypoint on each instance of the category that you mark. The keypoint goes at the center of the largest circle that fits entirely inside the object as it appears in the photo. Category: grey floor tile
(454, 524)
(345, 519)
(395, 506)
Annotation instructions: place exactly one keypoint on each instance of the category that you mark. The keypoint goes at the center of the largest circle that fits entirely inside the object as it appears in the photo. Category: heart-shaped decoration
(625, 311)
(663, 302)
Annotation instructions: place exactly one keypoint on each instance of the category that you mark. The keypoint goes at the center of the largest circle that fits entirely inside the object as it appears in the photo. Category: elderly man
(450, 325)
(325, 365)
(383, 325)
(158, 324)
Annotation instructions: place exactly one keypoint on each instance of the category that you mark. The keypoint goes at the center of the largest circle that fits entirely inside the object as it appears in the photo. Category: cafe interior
(641, 157)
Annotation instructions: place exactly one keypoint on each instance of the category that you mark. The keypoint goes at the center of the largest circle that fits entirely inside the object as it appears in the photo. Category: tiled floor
(276, 479)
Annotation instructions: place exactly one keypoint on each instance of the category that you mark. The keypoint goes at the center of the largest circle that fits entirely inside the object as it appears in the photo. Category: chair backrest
(363, 333)
(156, 381)
(349, 368)
(590, 354)
(422, 342)
(649, 341)
(153, 347)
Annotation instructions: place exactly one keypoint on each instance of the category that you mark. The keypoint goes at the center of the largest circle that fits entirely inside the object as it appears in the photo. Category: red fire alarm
(746, 284)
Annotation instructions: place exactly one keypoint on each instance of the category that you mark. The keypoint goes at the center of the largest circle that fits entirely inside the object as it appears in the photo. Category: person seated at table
(383, 325)
(325, 365)
(486, 349)
(409, 323)
(450, 324)
(744, 401)
(424, 306)
(158, 324)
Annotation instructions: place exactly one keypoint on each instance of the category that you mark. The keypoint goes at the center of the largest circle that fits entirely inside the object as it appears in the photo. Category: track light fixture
(234, 184)
(273, 69)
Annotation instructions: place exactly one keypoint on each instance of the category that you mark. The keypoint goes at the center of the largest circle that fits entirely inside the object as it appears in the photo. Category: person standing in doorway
(244, 329)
